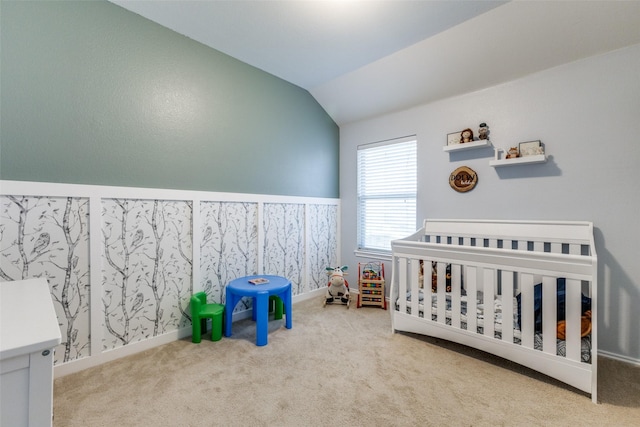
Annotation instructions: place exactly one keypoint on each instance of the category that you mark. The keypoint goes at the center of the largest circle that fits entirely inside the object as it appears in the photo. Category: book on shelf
(258, 281)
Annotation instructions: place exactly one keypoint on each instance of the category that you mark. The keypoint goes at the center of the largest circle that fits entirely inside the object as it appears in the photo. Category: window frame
(363, 244)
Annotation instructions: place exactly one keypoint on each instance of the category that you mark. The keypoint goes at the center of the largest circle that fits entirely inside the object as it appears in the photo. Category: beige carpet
(336, 367)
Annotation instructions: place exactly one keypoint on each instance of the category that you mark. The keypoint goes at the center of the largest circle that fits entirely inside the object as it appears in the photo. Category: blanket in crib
(498, 316)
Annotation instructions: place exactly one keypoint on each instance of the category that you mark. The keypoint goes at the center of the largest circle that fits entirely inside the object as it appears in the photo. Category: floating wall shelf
(467, 145)
(538, 158)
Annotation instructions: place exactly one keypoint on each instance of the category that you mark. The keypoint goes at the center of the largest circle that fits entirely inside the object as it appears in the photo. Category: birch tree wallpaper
(145, 262)
(147, 273)
(48, 237)
(323, 243)
(284, 242)
(229, 247)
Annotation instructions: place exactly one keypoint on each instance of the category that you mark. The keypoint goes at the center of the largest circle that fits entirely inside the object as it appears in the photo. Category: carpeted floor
(336, 367)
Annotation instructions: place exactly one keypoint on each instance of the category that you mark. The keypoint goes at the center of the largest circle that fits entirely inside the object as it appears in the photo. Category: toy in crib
(434, 277)
(338, 287)
(585, 326)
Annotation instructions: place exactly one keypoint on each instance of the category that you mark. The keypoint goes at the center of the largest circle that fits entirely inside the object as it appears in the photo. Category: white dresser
(29, 332)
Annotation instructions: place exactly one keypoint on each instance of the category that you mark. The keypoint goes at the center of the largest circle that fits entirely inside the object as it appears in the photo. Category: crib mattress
(560, 344)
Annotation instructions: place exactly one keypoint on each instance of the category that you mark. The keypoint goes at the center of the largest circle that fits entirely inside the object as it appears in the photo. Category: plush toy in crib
(585, 326)
(338, 288)
(434, 277)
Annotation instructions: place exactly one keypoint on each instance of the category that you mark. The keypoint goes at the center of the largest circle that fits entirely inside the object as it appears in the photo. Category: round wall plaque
(463, 179)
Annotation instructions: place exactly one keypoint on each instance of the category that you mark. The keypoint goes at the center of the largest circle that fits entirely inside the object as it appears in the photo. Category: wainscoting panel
(122, 263)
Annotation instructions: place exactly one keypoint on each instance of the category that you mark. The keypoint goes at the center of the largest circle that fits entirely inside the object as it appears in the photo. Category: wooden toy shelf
(371, 285)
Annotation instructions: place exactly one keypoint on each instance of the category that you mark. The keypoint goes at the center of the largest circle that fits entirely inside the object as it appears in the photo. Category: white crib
(533, 278)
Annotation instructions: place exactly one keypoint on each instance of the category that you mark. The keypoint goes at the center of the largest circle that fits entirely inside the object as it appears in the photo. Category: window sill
(363, 253)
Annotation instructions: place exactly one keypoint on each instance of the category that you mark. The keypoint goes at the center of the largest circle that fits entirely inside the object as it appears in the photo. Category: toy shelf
(467, 145)
(371, 285)
(538, 158)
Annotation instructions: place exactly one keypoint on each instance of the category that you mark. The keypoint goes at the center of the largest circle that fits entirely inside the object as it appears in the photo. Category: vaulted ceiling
(365, 58)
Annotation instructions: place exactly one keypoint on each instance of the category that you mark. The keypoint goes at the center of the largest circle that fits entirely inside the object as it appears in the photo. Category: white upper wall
(586, 114)
(505, 43)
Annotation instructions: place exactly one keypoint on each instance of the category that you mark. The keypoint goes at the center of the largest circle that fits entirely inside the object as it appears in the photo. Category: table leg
(231, 302)
(261, 311)
(287, 307)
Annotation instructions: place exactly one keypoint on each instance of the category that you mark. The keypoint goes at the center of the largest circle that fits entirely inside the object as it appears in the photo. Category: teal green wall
(94, 94)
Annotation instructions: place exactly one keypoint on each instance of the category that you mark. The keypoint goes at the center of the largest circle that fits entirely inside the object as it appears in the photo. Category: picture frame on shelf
(530, 148)
(454, 138)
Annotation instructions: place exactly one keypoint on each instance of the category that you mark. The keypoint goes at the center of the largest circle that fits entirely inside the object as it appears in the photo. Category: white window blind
(387, 186)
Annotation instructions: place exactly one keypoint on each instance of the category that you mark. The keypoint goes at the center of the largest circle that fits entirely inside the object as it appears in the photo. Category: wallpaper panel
(147, 268)
(143, 255)
(323, 243)
(284, 242)
(229, 247)
(48, 237)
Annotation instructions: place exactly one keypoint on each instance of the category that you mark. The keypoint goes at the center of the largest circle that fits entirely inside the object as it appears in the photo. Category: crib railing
(505, 262)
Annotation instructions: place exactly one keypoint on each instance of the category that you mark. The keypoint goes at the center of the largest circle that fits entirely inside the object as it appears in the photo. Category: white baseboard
(133, 348)
(117, 353)
(619, 358)
(108, 356)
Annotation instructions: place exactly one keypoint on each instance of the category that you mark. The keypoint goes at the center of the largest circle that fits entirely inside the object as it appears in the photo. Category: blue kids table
(241, 287)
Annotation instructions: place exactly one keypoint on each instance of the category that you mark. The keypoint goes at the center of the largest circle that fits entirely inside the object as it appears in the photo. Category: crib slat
(441, 294)
(456, 286)
(489, 309)
(573, 319)
(523, 245)
(575, 249)
(402, 285)
(549, 315)
(526, 310)
(556, 248)
(471, 278)
(538, 246)
(507, 306)
(414, 269)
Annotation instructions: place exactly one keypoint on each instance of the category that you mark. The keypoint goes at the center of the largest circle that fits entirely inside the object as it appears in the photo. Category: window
(387, 186)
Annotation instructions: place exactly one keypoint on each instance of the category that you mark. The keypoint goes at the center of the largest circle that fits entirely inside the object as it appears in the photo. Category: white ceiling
(365, 58)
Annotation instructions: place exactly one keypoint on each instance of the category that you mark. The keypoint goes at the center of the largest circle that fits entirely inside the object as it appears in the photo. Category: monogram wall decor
(463, 179)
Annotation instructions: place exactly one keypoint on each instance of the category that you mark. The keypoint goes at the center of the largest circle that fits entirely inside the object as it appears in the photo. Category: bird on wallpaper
(41, 243)
(137, 238)
(207, 234)
(208, 287)
(138, 302)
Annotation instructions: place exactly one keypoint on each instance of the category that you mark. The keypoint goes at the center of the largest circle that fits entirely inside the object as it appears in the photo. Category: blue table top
(241, 284)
